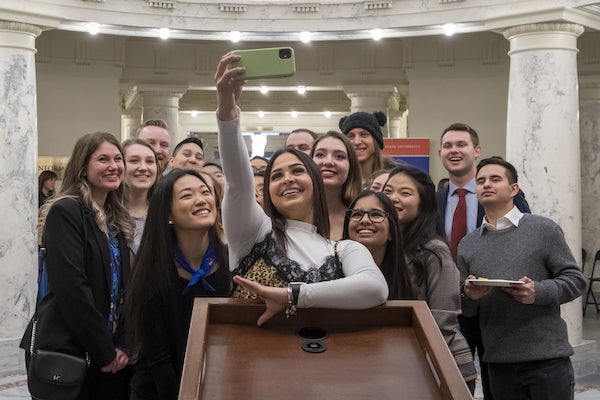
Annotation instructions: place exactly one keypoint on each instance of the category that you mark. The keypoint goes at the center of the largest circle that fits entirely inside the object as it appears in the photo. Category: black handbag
(52, 375)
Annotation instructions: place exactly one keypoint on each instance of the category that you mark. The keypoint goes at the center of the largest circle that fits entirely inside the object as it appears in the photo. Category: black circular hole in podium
(312, 333)
(314, 347)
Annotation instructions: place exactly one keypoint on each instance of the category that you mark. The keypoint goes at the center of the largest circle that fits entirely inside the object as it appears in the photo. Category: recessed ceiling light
(264, 89)
(449, 29)
(235, 36)
(194, 113)
(376, 34)
(327, 114)
(305, 37)
(261, 114)
(294, 114)
(93, 28)
(301, 89)
(164, 33)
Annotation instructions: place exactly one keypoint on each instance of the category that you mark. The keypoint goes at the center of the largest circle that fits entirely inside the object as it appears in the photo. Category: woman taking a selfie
(290, 238)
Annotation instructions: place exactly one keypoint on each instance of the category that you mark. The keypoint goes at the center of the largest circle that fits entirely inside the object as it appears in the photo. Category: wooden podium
(394, 351)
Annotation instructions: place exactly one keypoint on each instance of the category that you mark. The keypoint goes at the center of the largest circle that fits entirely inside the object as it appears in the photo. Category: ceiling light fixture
(93, 28)
(264, 89)
(305, 36)
(327, 114)
(449, 29)
(261, 114)
(301, 89)
(376, 34)
(294, 114)
(235, 36)
(164, 33)
(194, 114)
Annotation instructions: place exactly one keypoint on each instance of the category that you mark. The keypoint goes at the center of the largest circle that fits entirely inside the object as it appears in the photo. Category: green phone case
(276, 62)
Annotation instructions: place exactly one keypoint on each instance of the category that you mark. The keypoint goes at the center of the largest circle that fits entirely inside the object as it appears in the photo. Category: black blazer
(73, 317)
(442, 200)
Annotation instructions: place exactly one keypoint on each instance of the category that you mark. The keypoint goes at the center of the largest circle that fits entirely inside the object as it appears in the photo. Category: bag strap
(43, 250)
(32, 344)
(335, 252)
(33, 332)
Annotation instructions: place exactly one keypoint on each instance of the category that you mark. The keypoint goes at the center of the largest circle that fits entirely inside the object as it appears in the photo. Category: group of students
(315, 239)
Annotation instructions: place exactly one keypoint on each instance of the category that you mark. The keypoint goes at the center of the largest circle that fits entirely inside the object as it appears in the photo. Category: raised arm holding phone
(291, 234)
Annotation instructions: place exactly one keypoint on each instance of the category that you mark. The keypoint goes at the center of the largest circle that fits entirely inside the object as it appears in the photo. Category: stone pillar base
(12, 357)
(586, 358)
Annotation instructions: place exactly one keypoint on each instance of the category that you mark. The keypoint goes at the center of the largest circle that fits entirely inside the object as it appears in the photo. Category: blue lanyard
(208, 262)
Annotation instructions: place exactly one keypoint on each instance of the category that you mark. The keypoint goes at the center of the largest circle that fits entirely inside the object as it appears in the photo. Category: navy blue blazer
(441, 197)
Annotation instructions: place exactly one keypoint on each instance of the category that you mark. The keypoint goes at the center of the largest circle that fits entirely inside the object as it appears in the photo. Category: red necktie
(459, 221)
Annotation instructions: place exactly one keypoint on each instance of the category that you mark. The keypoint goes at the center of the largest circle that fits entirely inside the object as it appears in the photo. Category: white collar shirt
(510, 219)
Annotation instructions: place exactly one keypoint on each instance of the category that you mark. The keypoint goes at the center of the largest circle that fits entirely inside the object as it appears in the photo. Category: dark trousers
(469, 327)
(533, 380)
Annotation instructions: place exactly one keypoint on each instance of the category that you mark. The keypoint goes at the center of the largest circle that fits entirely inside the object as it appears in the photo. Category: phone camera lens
(285, 54)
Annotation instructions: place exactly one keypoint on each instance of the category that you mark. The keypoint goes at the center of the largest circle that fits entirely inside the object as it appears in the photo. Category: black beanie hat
(370, 122)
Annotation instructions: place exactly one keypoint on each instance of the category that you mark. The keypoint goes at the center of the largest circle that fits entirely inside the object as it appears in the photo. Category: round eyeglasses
(376, 216)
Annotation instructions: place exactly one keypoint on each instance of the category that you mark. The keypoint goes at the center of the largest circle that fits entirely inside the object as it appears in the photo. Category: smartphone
(275, 62)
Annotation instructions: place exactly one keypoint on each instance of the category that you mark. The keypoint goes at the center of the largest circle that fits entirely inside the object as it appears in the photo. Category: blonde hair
(76, 186)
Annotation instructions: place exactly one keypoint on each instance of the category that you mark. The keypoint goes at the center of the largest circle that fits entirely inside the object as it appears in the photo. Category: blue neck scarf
(200, 274)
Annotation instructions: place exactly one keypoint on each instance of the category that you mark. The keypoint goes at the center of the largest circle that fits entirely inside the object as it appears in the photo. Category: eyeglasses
(376, 216)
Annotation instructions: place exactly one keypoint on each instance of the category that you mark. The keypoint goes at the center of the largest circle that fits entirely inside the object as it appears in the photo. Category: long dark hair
(154, 269)
(393, 266)
(320, 211)
(45, 176)
(426, 226)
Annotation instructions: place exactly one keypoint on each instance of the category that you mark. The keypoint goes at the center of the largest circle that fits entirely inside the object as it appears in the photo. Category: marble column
(18, 188)
(163, 103)
(371, 98)
(130, 123)
(397, 124)
(589, 126)
(543, 138)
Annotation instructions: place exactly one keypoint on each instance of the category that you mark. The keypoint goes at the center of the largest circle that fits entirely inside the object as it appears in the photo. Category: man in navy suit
(458, 152)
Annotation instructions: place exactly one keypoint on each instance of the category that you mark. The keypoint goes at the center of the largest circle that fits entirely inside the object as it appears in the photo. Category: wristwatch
(293, 291)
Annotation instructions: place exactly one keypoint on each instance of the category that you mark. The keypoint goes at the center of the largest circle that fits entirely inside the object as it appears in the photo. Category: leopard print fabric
(267, 264)
(262, 273)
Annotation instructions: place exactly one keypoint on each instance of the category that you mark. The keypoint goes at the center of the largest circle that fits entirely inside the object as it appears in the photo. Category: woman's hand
(275, 298)
(122, 359)
(110, 366)
(228, 88)
(118, 363)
